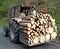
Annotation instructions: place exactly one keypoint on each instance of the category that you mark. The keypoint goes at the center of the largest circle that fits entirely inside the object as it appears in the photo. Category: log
(53, 24)
(50, 30)
(29, 42)
(55, 29)
(37, 29)
(53, 20)
(25, 32)
(25, 21)
(26, 28)
(29, 24)
(38, 16)
(23, 28)
(32, 34)
(23, 24)
(32, 22)
(47, 37)
(27, 36)
(33, 26)
(36, 34)
(36, 40)
(42, 38)
(32, 19)
(28, 39)
(53, 35)
(46, 26)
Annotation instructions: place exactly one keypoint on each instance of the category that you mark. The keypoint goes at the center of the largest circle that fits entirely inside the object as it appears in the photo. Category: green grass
(6, 4)
(4, 21)
(58, 25)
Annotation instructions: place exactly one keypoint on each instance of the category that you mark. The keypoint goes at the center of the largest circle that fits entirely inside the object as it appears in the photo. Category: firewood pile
(38, 29)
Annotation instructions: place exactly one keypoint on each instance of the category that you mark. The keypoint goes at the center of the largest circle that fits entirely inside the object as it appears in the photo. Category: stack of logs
(38, 29)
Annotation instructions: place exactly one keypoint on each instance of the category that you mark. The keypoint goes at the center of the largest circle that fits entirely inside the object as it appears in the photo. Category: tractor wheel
(14, 36)
(6, 30)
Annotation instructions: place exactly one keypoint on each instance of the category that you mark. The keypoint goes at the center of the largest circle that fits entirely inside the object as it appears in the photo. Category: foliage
(6, 4)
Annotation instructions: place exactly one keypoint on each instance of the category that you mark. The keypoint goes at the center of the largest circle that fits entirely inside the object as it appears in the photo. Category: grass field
(4, 21)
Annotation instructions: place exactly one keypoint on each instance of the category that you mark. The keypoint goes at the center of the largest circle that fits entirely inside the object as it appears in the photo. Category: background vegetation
(51, 6)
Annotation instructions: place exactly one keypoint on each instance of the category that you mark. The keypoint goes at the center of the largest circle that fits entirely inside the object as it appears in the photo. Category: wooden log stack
(38, 29)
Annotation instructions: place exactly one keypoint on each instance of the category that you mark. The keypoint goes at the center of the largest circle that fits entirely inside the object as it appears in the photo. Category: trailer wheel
(6, 30)
(14, 36)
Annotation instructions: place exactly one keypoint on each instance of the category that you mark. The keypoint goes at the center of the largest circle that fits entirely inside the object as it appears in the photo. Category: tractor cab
(16, 10)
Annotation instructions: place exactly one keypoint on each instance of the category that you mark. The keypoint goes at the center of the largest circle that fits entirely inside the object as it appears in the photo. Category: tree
(1, 2)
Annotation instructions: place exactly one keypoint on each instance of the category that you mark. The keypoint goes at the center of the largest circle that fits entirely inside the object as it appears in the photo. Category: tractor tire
(14, 37)
(6, 30)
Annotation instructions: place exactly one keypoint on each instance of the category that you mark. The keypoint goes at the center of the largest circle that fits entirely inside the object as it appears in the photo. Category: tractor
(37, 30)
